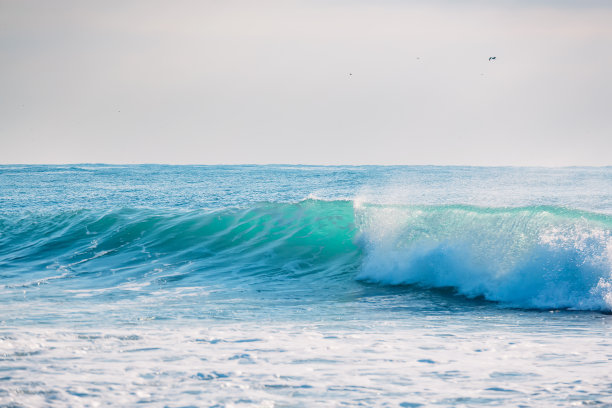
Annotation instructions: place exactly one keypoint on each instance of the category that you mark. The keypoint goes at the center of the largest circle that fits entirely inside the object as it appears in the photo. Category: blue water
(305, 285)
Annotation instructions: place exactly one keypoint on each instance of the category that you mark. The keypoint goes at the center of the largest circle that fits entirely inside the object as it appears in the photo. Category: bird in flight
(492, 58)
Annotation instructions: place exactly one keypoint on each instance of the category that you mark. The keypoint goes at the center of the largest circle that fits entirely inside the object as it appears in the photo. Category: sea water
(284, 286)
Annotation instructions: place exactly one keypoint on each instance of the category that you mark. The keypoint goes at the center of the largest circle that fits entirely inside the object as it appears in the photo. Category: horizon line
(307, 164)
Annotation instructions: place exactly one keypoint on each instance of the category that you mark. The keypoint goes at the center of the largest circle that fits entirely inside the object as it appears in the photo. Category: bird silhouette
(492, 58)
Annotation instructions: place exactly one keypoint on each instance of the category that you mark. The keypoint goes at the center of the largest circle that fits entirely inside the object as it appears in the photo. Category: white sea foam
(492, 361)
(531, 258)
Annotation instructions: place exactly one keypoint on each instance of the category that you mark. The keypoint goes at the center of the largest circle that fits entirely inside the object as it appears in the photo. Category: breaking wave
(529, 257)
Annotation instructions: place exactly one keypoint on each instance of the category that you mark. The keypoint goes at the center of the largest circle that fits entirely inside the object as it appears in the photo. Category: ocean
(305, 286)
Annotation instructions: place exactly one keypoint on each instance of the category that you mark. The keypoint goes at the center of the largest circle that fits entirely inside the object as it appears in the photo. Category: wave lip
(531, 257)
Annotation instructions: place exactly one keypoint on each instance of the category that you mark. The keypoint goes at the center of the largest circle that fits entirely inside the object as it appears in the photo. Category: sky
(306, 82)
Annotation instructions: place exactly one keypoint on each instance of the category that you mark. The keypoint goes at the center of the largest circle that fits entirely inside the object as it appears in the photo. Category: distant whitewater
(129, 261)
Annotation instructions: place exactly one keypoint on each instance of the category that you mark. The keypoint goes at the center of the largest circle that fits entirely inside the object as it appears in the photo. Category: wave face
(267, 244)
(529, 257)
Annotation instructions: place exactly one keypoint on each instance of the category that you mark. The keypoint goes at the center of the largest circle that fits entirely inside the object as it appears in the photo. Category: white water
(529, 258)
(452, 360)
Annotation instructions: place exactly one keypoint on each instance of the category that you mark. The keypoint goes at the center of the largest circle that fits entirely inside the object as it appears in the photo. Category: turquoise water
(305, 286)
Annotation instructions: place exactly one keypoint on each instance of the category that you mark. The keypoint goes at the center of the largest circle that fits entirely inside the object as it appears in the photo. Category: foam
(534, 257)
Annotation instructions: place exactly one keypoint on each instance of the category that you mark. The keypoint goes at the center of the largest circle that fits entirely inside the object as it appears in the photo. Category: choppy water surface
(305, 286)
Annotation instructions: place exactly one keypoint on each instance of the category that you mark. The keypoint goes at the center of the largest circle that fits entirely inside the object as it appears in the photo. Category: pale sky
(317, 82)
